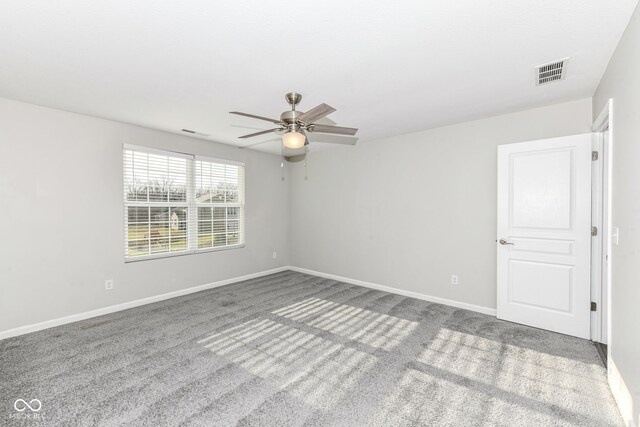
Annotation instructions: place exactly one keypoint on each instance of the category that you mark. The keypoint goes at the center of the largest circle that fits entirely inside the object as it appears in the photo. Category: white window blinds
(219, 198)
(177, 204)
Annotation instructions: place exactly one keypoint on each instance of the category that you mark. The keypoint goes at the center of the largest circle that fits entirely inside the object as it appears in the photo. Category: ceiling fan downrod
(293, 98)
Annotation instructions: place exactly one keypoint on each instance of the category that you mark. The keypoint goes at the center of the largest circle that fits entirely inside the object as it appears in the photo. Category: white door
(544, 234)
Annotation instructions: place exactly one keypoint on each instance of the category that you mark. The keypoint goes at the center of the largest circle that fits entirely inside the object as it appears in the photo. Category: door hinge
(594, 155)
(594, 231)
(594, 306)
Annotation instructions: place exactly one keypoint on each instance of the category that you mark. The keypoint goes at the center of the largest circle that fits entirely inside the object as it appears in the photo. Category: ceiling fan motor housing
(290, 117)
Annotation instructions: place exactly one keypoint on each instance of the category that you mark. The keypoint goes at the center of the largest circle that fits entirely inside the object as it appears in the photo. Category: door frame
(601, 218)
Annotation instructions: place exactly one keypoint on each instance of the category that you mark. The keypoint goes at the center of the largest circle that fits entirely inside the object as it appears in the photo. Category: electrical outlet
(108, 285)
(275, 255)
(454, 279)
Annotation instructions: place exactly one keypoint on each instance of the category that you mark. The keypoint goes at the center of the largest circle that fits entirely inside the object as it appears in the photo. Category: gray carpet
(292, 349)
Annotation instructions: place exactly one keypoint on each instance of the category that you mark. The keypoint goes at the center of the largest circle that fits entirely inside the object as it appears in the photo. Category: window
(219, 200)
(178, 204)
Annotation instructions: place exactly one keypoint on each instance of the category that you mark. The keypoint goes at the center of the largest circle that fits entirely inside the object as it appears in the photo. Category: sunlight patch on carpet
(368, 327)
(318, 371)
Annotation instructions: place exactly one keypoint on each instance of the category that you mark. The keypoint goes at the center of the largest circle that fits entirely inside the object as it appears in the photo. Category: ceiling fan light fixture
(293, 139)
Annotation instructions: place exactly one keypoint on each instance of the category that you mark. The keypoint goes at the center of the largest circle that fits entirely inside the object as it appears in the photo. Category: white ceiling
(388, 67)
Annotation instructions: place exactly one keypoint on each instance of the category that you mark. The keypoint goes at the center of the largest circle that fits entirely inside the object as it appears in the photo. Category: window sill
(219, 248)
(182, 253)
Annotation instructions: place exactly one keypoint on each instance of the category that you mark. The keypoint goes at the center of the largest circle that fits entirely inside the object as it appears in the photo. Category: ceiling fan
(296, 124)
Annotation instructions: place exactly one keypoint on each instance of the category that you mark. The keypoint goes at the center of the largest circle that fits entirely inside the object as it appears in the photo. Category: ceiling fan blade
(297, 158)
(316, 113)
(258, 143)
(332, 129)
(253, 116)
(306, 140)
(260, 133)
(345, 142)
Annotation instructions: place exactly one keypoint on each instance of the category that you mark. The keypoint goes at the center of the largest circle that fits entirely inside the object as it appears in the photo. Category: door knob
(504, 242)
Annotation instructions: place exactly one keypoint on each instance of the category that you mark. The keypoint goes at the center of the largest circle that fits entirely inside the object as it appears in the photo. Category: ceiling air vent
(551, 72)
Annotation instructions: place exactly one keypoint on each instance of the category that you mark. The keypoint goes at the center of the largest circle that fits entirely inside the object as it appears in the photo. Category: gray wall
(405, 212)
(409, 211)
(621, 82)
(61, 216)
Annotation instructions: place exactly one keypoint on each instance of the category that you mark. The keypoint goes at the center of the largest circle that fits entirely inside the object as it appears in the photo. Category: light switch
(615, 235)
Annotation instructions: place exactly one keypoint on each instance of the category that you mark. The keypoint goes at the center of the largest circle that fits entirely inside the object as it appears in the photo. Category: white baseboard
(620, 393)
(458, 304)
(131, 304)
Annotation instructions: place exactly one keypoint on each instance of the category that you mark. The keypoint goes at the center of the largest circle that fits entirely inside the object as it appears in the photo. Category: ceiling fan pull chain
(282, 161)
(306, 151)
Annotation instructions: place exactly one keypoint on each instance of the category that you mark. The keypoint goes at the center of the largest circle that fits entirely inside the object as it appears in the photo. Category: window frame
(190, 203)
